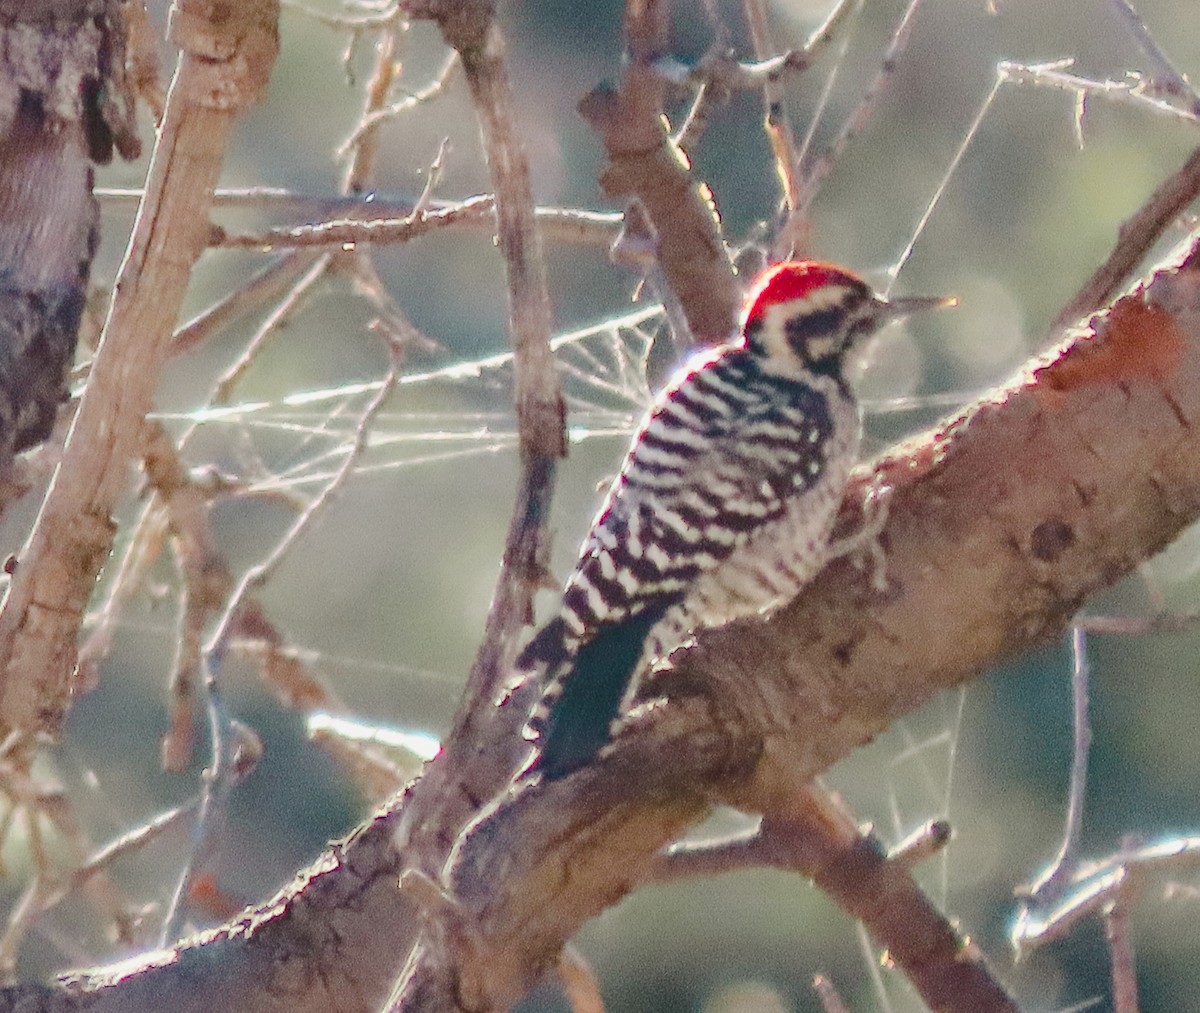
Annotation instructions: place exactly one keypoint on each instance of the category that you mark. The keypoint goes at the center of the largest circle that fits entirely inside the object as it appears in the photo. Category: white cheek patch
(773, 336)
(774, 333)
(821, 348)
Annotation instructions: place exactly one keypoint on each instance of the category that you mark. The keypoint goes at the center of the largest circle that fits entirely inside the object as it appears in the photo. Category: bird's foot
(864, 544)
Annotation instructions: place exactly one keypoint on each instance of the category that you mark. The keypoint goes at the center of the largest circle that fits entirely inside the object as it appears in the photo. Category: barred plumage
(722, 508)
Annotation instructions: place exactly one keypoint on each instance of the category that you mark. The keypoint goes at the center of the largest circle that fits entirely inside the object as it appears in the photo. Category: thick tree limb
(1003, 520)
(223, 68)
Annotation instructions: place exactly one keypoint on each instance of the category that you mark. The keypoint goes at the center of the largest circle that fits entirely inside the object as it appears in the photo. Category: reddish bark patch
(1136, 340)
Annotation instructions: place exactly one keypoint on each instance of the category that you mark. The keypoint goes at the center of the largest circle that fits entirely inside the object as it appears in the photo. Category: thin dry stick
(205, 581)
(1051, 884)
(858, 119)
(792, 236)
(219, 777)
(776, 122)
(1164, 79)
(45, 893)
(365, 146)
(1119, 934)
(257, 576)
(1054, 75)
(541, 411)
(145, 541)
(1118, 625)
(568, 225)
(35, 801)
(810, 831)
(557, 224)
(376, 117)
(718, 67)
(1099, 882)
(267, 331)
(260, 288)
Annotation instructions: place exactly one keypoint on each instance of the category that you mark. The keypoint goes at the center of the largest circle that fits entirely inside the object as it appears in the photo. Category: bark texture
(63, 106)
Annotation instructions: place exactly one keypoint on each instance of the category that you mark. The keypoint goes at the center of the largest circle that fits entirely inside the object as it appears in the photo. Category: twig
(563, 225)
(364, 145)
(1163, 622)
(266, 332)
(219, 776)
(205, 582)
(1065, 864)
(923, 843)
(146, 532)
(375, 117)
(347, 232)
(540, 408)
(1130, 92)
(862, 113)
(260, 574)
(747, 849)
(1137, 235)
(767, 71)
(260, 287)
(776, 122)
(377, 224)
(1164, 79)
(810, 831)
(33, 800)
(1119, 934)
(1097, 884)
(46, 892)
(380, 760)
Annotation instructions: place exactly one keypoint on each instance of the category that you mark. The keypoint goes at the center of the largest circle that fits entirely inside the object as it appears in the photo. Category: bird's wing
(695, 486)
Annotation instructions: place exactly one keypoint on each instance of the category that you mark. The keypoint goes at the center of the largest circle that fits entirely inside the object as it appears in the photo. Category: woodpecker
(723, 507)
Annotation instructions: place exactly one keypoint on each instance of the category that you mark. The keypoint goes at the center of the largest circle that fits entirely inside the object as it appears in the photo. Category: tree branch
(223, 68)
(645, 163)
(1003, 520)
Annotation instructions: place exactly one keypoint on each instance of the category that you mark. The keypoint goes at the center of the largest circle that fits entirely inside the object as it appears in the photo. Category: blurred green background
(390, 590)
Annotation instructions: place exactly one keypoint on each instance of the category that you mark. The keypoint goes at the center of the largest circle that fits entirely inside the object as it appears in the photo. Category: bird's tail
(586, 686)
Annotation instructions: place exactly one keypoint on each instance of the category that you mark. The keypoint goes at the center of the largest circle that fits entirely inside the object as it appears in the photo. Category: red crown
(793, 279)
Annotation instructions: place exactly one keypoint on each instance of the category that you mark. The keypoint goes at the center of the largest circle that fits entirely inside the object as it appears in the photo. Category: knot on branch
(234, 46)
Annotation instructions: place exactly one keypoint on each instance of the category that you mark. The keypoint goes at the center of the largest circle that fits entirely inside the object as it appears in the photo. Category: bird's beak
(902, 306)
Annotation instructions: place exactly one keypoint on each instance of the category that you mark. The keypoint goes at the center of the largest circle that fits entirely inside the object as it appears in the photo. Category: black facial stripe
(812, 325)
